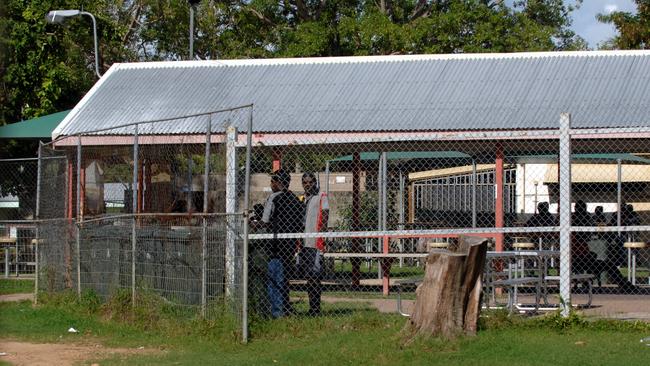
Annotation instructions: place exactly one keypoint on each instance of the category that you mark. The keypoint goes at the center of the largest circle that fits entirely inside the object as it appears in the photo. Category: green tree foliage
(47, 68)
(633, 29)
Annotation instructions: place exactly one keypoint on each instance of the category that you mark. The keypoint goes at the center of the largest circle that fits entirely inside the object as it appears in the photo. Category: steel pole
(79, 218)
(204, 233)
(247, 184)
(134, 191)
(565, 212)
(39, 171)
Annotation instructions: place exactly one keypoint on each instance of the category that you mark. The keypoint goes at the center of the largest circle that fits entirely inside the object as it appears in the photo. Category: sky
(586, 25)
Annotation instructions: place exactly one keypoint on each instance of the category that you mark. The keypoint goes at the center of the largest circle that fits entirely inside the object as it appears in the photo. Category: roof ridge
(386, 58)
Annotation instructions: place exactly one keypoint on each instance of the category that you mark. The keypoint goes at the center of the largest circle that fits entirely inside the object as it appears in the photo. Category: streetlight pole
(59, 16)
(193, 4)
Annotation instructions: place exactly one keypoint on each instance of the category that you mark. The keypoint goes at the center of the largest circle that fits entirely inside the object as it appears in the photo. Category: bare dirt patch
(25, 353)
(16, 297)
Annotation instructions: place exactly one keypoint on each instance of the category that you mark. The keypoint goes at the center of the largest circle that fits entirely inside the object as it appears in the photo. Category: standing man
(283, 213)
(311, 255)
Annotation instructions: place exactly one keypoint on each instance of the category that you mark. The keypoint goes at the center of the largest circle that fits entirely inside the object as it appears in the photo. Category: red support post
(82, 196)
(147, 186)
(498, 209)
(277, 159)
(385, 267)
(140, 186)
(70, 209)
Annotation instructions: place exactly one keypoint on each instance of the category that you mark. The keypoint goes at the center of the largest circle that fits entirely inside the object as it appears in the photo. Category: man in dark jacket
(283, 213)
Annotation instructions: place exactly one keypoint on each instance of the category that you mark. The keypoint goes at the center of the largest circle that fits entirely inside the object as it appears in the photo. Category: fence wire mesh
(137, 210)
(17, 211)
(339, 222)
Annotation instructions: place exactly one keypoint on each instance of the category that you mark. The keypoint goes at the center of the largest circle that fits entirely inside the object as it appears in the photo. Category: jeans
(277, 288)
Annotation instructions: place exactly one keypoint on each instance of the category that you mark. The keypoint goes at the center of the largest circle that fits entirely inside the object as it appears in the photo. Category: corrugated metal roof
(390, 93)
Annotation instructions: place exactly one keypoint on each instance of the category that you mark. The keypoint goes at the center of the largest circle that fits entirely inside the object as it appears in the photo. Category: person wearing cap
(283, 213)
(311, 253)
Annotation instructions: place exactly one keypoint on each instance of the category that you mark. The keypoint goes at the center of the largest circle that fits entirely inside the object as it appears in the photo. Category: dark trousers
(311, 264)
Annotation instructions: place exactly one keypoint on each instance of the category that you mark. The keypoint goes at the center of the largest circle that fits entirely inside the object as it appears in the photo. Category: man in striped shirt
(311, 254)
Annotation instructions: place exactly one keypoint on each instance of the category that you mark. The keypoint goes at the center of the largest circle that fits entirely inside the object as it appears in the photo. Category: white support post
(384, 190)
(565, 212)
(473, 192)
(204, 232)
(401, 216)
(619, 194)
(327, 178)
(79, 218)
(134, 210)
(231, 208)
(39, 172)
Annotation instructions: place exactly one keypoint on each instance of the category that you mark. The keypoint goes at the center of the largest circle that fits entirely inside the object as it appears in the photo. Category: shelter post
(401, 215)
(148, 197)
(277, 159)
(498, 207)
(141, 174)
(473, 192)
(619, 195)
(356, 207)
(327, 177)
(565, 212)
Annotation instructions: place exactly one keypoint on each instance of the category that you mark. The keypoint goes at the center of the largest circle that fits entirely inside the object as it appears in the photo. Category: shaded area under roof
(35, 128)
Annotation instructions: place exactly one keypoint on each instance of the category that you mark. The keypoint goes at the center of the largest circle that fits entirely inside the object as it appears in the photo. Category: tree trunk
(448, 300)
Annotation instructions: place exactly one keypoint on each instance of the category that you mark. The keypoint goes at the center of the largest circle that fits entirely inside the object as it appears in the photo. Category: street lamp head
(59, 16)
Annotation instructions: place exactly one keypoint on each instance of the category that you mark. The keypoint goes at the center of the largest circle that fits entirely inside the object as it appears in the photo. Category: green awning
(35, 128)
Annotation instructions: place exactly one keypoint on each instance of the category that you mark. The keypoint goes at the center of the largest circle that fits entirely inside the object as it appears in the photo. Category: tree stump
(448, 300)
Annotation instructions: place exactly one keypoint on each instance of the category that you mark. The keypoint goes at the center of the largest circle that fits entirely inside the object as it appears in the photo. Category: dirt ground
(36, 354)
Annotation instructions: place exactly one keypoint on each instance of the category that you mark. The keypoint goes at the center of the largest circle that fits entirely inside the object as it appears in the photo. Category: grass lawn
(16, 286)
(359, 337)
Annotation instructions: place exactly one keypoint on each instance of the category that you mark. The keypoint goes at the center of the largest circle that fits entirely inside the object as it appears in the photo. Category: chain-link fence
(142, 210)
(348, 217)
(340, 221)
(17, 210)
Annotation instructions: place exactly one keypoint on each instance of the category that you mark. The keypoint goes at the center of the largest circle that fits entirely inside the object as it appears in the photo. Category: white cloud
(610, 8)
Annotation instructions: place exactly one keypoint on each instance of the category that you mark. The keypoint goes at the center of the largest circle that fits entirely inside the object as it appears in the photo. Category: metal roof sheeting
(390, 93)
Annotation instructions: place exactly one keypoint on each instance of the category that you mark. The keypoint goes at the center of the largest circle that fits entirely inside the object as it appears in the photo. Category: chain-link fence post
(134, 206)
(39, 171)
(204, 232)
(231, 207)
(565, 212)
(247, 183)
(79, 217)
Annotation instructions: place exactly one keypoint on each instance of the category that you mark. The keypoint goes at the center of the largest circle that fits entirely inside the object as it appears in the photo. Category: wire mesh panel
(135, 209)
(17, 211)
(380, 202)
(610, 212)
(338, 222)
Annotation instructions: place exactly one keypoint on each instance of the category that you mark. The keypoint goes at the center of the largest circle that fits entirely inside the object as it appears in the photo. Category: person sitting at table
(584, 260)
(541, 219)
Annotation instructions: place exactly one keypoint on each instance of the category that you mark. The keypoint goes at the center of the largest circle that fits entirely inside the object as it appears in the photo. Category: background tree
(633, 29)
(46, 68)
